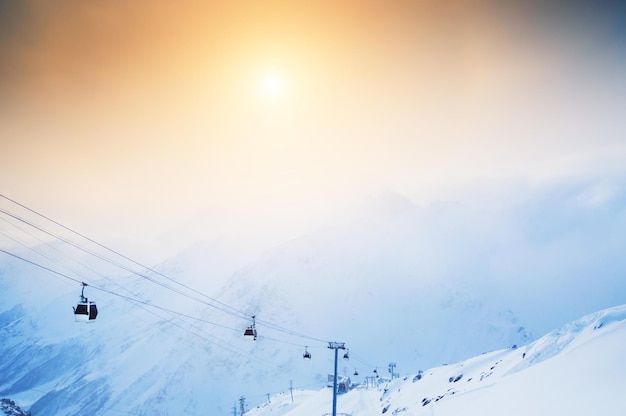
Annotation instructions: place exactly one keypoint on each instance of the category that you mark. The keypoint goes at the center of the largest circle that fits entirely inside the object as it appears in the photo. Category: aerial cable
(289, 331)
(137, 302)
(124, 256)
(108, 260)
(146, 303)
(231, 310)
(27, 247)
(83, 265)
(360, 360)
(46, 243)
(99, 256)
(128, 298)
(71, 243)
(41, 266)
(40, 253)
(262, 337)
(77, 246)
(266, 323)
(142, 302)
(223, 344)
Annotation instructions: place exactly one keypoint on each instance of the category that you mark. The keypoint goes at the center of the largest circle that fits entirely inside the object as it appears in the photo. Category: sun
(273, 85)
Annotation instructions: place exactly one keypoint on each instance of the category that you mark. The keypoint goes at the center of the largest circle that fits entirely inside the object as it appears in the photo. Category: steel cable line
(128, 298)
(136, 303)
(141, 303)
(289, 331)
(230, 347)
(135, 300)
(242, 314)
(230, 308)
(262, 337)
(67, 267)
(99, 256)
(52, 247)
(125, 257)
(106, 259)
(27, 247)
(227, 346)
(58, 277)
(360, 360)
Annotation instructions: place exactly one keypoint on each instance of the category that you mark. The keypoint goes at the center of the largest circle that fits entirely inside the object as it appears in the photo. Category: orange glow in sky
(283, 110)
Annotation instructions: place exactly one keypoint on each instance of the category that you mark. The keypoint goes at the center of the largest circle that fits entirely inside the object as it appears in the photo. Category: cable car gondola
(85, 310)
(307, 354)
(250, 332)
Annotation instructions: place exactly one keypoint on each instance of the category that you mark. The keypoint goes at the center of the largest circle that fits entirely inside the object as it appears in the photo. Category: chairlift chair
(307, 354)
(346, 356)
(86, 310)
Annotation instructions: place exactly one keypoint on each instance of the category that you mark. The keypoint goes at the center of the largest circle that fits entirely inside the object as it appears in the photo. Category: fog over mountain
(397, 282)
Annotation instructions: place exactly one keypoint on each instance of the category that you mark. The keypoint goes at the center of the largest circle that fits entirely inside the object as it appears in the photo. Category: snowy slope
(576, 371)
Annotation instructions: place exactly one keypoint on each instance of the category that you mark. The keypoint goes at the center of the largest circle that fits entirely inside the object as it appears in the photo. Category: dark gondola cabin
(85, 310)
(250, 332)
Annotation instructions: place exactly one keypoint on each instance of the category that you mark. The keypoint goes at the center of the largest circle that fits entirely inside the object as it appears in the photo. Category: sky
(123, 119)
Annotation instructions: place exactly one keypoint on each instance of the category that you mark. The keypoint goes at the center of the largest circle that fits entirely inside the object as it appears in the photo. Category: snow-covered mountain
(395, 282)
(576, 370)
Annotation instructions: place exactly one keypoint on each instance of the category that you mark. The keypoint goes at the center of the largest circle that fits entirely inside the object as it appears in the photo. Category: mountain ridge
(509, 381)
